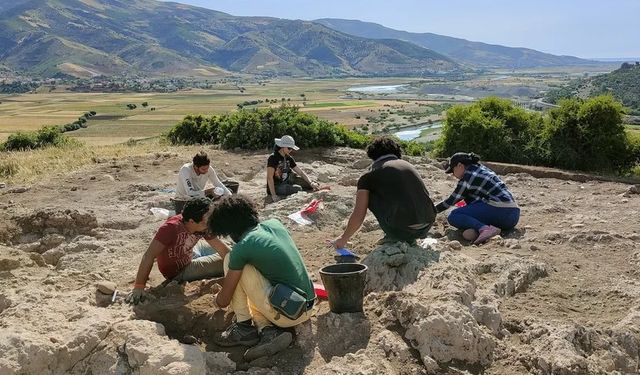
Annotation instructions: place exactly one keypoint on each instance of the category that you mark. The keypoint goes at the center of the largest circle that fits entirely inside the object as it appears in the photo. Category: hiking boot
(238, 334)
(272, 341)
(486, 232)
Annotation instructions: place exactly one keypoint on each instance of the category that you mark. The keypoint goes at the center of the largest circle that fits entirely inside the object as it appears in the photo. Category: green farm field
(114, 123)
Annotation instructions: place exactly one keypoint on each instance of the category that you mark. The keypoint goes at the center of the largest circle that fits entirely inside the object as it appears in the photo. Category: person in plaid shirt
(490, 207)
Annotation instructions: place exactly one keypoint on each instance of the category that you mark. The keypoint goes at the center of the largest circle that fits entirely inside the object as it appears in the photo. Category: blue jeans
(205, 264)
(478, 214)
(202, 249)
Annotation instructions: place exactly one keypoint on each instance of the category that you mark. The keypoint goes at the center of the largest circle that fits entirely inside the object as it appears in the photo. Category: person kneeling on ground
(192, 180)
(394, 192)
(264, 254)
(281, 181)
(174, 246)
(490, 207)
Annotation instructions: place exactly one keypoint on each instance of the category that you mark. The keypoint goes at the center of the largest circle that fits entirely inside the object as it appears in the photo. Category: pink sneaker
(486, 232)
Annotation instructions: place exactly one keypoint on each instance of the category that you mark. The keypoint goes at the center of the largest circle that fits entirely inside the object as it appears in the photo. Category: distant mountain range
(474, 54)
(105, 37)
(85, 38)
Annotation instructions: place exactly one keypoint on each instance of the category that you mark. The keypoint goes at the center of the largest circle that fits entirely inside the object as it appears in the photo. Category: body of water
(413, 132)
(386, 89)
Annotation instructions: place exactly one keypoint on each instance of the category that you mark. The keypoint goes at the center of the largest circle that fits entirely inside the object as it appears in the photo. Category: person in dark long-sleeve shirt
(490, 206)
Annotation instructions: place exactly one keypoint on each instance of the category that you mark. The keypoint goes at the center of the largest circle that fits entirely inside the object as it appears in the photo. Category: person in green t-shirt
(264, 254)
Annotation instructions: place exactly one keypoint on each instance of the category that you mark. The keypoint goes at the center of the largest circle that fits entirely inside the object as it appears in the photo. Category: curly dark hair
(232, 216)
(194, 209)
(201, 159)
(383, 146)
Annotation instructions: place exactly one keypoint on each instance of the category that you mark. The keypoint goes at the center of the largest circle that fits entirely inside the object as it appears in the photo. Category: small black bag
(288, 301)
(232, 185)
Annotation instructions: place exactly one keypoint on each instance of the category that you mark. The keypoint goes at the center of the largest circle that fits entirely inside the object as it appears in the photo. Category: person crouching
(264, 255)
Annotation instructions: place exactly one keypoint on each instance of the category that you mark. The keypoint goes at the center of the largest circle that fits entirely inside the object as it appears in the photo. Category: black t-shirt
(397, 195)
(282, 166)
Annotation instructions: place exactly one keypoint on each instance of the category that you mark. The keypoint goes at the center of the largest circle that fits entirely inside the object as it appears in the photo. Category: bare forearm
(303, 175)
(146, 264)
(221, 248)
(355, 221)
(272, 186)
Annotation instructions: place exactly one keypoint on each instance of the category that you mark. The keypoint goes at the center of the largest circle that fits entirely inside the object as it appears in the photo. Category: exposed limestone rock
(443, 332)
(361, 164)
(518, 276)
(357, 363)
(57, 221)
(394, 266)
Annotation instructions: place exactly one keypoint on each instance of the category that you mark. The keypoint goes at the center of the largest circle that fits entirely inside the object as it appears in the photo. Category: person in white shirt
(192, 180)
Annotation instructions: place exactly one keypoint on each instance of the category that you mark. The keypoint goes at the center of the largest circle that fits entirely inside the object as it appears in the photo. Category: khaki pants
(251, 300)
(206, 267)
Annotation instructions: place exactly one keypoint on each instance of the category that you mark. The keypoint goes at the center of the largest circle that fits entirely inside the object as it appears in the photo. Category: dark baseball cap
(458, 157)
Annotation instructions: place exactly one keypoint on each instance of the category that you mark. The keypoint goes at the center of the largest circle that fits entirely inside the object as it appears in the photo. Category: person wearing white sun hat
(284, 177)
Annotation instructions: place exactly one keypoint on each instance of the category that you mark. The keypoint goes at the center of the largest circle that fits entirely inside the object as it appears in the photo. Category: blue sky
(583, 28)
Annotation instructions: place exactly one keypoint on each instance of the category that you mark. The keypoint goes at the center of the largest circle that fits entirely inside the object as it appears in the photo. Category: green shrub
(50, 136)
(413, 148)
(588, 135)
(20, 141)
(45, 137)
(256, 129)
(493, 128)
(634, 146)
(583, 135)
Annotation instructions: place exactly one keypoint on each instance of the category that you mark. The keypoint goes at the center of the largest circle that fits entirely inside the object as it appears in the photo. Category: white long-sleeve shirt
(191, 185)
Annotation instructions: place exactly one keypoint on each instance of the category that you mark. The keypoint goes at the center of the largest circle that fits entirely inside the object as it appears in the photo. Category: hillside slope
(623, 84)
(464, 51)
(82, 37)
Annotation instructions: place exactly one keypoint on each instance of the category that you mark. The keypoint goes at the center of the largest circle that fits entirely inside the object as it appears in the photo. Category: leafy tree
(583, 135)
(588, 135)
(493, 128)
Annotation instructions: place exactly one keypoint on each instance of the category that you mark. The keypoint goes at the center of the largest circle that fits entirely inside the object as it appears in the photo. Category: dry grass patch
(29, 166)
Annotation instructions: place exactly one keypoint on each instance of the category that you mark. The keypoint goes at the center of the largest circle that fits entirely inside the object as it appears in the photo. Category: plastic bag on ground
(161, 213)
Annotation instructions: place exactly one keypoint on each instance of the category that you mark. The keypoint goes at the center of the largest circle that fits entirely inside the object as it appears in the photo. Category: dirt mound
(392, 267)
(556, 295)
(571, 349)
(333, 211)
(52, 224)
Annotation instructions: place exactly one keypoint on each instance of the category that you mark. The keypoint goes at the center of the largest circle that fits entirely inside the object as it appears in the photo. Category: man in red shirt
(172, 247)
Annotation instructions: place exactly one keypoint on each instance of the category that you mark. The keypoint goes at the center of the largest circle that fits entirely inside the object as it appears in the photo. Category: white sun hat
(286, 141)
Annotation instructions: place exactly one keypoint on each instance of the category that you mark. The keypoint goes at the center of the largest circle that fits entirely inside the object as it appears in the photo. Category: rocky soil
(558, 295)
